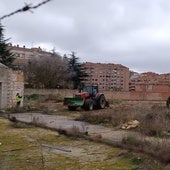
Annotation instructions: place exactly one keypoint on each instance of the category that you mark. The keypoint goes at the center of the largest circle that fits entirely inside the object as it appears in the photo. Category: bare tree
(47, 72)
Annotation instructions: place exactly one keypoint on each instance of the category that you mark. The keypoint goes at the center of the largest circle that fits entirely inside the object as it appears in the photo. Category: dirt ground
(24, 147)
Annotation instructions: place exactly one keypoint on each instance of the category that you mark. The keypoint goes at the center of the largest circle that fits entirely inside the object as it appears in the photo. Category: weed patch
(156, 122)
(158, 149)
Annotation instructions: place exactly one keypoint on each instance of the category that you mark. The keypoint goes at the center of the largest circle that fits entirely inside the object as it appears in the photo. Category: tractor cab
(91, 89)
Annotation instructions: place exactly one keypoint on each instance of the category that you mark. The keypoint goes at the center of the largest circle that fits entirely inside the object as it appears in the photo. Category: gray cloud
(135, 33)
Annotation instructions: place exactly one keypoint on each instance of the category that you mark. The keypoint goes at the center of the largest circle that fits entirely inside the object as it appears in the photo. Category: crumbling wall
(11, 82)
(16, 86)
(4, 78)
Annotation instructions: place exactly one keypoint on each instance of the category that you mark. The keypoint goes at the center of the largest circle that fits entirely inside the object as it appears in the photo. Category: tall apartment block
(114, 77)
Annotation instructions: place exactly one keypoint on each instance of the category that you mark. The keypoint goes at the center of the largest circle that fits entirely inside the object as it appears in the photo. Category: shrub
(20, 125)
(16, 110)
(157, 148)
(118, 118)
(56, 98)
(131, 141)
(34, 96)
(95, 118)
(155, 122)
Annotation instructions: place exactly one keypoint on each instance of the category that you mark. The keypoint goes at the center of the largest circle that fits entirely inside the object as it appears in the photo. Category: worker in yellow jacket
(18, 99)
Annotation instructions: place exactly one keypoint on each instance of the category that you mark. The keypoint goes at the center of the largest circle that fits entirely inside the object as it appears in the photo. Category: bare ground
(60, 118)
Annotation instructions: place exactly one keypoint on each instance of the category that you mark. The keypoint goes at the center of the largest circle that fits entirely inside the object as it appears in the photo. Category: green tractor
(88, 99)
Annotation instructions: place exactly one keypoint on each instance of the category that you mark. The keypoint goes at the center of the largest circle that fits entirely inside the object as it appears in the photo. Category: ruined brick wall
(11, 82)
(16, 86)
(4, 93)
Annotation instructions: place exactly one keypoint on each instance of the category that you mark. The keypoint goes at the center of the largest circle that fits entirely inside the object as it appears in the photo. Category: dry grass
(154, 119)
(157, 148)
(156, 122)
(22, 149)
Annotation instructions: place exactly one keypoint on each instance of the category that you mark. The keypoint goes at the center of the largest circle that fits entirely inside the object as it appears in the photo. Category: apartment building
(23, 54)
(150, 81)
(114, 77)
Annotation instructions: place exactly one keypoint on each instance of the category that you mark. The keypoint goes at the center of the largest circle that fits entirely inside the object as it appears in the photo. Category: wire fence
(27, 7)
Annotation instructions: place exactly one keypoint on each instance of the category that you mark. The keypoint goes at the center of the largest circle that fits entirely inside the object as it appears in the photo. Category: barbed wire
(27, 7)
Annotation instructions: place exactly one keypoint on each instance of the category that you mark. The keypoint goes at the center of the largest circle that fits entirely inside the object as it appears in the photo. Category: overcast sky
(134, 33)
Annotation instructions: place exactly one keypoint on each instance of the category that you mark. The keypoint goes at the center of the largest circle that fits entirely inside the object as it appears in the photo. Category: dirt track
(65, 123)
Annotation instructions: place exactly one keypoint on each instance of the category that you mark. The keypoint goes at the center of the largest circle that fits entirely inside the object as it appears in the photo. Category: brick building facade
(150, 82)
(114, 77)
(23, 54)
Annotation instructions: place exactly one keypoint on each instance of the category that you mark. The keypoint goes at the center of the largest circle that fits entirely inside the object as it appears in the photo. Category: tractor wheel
(88, 105)
(72, 108)
(101, 102)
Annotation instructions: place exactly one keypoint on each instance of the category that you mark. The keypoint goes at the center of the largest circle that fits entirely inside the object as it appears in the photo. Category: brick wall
(16, 86)
(137, 95)
(62, 92)
(4, 75)
(109, 95)
(153, 88)
(11, 82)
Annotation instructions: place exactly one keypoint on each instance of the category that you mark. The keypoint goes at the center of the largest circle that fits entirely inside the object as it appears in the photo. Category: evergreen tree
(6, 57)
(77, 71)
